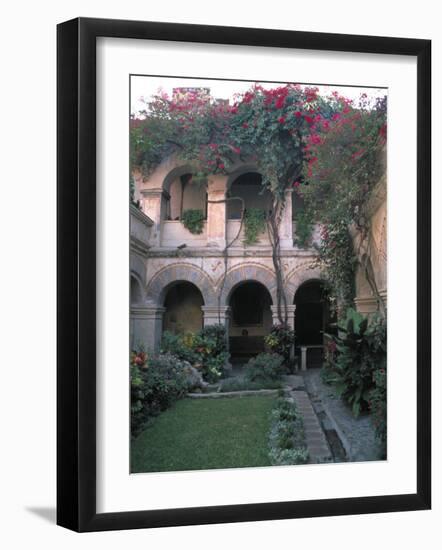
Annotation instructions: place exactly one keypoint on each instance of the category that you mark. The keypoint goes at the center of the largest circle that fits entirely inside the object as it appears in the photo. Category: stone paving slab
(314, 436)
(357, 435)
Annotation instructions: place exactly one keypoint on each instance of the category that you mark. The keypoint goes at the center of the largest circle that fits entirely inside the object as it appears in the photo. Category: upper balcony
(140, 228)
(171, 191)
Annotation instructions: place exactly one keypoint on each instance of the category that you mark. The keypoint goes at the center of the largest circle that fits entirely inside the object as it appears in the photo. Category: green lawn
(200, 434)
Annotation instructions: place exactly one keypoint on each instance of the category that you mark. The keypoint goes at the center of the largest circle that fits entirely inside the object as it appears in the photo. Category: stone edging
(243, 393)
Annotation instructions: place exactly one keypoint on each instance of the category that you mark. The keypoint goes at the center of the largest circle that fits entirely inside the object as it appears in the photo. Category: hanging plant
(193, 220)
(254, 224)
(304, 227)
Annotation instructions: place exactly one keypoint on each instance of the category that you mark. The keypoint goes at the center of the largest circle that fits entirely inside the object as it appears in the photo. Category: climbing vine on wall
(254, 224)
(344, 160)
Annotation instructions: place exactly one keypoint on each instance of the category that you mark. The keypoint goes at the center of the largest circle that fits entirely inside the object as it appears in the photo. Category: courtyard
(258, 278)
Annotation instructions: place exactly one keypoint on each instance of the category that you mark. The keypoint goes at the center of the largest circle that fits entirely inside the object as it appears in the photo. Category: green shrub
(213, 367)
(361, 348)
(206, 350)
(156, 382)
(378, 407)
(176, 344)
(193, 220)
(287, 457)
(287, 439)
(280, 340)
(265, 366)
(215, 335)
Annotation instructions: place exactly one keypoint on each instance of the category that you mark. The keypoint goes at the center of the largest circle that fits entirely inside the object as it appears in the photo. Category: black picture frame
(76, 272)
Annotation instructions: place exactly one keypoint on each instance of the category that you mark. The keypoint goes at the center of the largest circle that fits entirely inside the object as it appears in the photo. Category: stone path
(357, 435)
(316, 441)
(314, 436)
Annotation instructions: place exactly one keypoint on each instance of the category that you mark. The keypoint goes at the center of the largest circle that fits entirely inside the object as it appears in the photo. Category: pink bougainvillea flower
(245, 125)
(281, 120)
(298, 114)
(315, 139)
(280, 102)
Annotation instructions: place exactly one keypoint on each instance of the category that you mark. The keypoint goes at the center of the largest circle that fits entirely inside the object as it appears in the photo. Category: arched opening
(184, 195)
(313, 318)
(251, 320)
(247, 187)
(183, 301)
(136, 294)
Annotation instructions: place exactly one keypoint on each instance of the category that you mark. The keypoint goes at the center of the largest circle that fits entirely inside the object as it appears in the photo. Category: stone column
(303, 357)
(286, 226)
(290, 315)
(216, 211)
(153, 206)
(146, 327)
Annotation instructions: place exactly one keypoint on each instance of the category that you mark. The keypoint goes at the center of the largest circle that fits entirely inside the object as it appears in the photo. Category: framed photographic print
(243, 274)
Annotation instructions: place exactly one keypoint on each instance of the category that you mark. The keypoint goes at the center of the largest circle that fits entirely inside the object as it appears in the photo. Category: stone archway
(158, 285)
(248, 272)
(298, 276)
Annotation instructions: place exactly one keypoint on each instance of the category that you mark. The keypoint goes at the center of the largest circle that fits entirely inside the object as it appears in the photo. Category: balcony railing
(140, 227)
(232, 232)
(173, 234)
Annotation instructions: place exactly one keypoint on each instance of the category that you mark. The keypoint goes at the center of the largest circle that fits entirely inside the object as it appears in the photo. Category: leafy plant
(206, 350)
(378, 406)
(265, 366)
(156, 382)
(193, 220)
(360, 349)
(280, 340)
(287, 439)
(254, 224)
(178, 345)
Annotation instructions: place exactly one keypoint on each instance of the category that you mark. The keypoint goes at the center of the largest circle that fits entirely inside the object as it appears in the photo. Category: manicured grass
(200, 434)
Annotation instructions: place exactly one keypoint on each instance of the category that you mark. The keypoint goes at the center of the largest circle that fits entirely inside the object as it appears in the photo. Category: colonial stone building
(182, 281)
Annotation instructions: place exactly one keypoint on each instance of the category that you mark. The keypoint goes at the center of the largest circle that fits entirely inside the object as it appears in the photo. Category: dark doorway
(251, 319)
(183, 308)
(312, 319)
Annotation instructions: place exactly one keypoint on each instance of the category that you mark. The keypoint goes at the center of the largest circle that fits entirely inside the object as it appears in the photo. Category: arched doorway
(251, 320)
(184, 195)
(183, 301)
(248, 187)
(313, 318)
